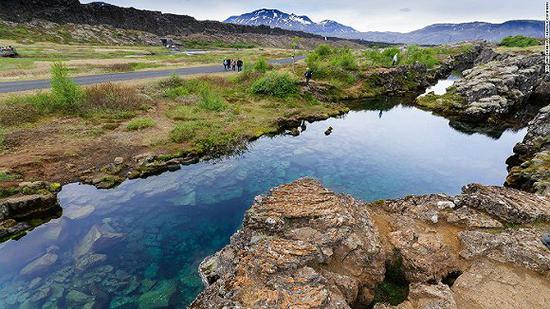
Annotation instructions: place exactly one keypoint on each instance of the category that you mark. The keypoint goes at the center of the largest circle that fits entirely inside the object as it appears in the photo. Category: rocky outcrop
(300, 246)
(500, 87)
(529, 167)
(304, 246)
(496, 89)
(15, 212)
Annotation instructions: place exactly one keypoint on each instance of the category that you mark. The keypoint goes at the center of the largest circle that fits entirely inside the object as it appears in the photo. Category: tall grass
(209, 99)
(184, 131)
(331, 62)
(261, 65)
(275, 84)
(67, 96)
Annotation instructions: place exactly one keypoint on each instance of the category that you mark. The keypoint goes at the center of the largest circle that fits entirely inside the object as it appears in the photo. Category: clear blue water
(157, 230)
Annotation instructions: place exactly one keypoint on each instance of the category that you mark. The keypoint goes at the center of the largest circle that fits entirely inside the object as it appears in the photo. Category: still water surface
(140, 244)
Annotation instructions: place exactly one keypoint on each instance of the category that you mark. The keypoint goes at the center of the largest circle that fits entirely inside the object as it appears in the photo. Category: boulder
(300, 246)
(99, 237)
(39, 265)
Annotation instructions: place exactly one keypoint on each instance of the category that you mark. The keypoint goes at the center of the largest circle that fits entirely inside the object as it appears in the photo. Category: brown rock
(301, 246)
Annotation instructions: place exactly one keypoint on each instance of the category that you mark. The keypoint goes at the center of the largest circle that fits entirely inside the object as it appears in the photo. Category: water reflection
(141, 243)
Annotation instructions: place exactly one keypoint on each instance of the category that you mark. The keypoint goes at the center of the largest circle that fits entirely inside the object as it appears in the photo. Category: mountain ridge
(275, 18)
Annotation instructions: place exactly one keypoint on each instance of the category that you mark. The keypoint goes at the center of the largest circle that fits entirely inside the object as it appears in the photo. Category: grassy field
(36, 58)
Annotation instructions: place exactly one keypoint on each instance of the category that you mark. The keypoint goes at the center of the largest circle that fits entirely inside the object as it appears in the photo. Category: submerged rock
(97, 238)
(159, 296)
(40, 264)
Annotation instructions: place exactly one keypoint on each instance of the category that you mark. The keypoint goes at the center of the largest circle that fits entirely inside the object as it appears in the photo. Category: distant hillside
(452, 33)
(99, 13)
(278, 19)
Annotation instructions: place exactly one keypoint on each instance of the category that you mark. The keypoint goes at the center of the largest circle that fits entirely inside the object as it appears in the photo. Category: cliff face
(71, 11)
(302, 246)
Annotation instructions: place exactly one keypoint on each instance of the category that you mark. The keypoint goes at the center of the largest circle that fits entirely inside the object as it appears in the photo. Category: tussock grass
(140, 124)
(275, 84)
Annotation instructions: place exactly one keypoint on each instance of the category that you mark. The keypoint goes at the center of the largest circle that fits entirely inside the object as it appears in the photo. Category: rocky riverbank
(496, 90)
(304, 246)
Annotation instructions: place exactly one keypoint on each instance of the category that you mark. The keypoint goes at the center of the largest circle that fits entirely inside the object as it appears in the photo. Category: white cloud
(367, 15)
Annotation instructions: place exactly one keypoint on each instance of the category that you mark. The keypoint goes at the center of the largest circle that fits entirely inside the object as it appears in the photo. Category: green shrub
(211, 100)
(140, 123)
(171, 82)
(425, 56)
(67, 95)
(335, 63)
(184, 131)
(185, 88)
(381, 57)
(261, 65)
(280, 85)
(518, 41)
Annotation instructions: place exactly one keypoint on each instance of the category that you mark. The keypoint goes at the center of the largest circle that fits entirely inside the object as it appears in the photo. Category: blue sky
(364, 15)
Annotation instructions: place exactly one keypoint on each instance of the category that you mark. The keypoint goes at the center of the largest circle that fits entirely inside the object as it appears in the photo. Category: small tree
(67, 95)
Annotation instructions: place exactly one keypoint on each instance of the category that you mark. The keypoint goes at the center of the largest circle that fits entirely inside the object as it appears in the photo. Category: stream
(139, 245)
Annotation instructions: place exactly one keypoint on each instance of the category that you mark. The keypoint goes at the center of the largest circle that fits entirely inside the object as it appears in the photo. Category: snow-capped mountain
(277, 19)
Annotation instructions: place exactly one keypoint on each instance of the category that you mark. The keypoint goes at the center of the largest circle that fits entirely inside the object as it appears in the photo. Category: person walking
(239, 65)
(308, 75)
(229, 64)
(233, 64)
(395, 60)
(225, 64)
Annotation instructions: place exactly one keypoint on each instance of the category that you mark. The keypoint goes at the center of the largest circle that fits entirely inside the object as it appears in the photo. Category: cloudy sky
(364, 15)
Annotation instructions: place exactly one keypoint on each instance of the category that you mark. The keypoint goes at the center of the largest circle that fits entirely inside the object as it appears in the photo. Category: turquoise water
(140, 244)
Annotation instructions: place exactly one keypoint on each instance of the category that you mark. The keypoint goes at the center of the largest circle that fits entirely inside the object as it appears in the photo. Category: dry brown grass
(15, 114)
(114, 97)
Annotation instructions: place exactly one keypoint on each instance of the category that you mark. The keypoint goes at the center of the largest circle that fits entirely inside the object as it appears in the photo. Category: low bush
(15, 113)
(111, 97)
(66, 94)
(261, 65)
(280, 85)
(519, 41)
(171, 82)
(184, 131)
(140, 123)
(332, 62)
(211, 100)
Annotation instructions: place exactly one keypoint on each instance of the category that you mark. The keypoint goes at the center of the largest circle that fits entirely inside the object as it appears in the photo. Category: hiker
(394, 60)
(233, 65)
(239, 65)
(308, 75)
(225, 64)
(229, 64)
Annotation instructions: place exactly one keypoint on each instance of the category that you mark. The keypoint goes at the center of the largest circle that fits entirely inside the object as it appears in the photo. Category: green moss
(395, 287)
(445, 104)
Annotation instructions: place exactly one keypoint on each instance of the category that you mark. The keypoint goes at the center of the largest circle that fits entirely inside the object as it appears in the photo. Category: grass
(184, 131)
(275, 84)
(2, 137)
(337, 64)
(428, 56)
(67, 98)
(519, 41)
(140, 124)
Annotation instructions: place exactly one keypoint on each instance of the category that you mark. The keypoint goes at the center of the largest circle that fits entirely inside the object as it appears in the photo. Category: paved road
(6, 87)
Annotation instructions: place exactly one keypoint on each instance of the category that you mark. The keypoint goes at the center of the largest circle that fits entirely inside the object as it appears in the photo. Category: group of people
(233, 65)
(8, 51)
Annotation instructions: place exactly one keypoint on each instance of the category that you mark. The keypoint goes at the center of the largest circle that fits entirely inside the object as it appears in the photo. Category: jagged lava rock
(301, 246)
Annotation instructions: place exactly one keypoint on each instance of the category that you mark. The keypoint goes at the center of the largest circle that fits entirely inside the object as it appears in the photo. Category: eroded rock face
(529, 167)
(507, 205)
(16, 211)
(305, 247)
(497, 88)
(301, 246)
